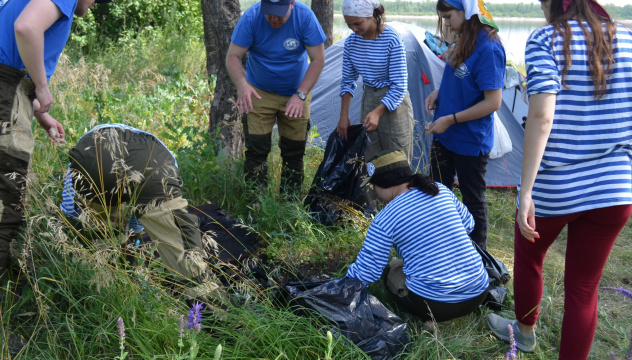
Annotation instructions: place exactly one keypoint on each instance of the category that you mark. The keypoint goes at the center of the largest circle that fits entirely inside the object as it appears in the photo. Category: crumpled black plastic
(498, 275)
(338, 178)
(358, 315)
(497, 271)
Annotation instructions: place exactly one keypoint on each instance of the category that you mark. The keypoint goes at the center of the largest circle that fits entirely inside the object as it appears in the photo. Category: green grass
(78, 284)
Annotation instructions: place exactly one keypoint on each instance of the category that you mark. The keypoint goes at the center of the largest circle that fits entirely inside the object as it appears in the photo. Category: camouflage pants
(16, 147)
(114, 166)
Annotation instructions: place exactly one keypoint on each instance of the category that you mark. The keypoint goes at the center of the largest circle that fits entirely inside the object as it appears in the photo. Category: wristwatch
(301, 95)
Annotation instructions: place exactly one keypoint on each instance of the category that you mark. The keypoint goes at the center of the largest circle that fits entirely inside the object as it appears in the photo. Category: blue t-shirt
(277, 59)
(54, 38)
(464, 87)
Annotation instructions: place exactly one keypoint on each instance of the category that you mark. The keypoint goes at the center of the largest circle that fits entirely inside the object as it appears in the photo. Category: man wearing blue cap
(34, 34)
(278, 35)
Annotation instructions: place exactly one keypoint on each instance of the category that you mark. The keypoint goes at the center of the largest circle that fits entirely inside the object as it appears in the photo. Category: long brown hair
(598, 42)
(464, 44)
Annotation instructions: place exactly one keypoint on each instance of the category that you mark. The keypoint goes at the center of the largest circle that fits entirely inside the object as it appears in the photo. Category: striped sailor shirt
(587, 160)
(380, 61)
(430, 233)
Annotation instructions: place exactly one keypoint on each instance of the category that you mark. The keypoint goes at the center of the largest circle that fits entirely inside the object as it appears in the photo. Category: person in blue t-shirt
(470, 92)
(276, 87)
(34, 34)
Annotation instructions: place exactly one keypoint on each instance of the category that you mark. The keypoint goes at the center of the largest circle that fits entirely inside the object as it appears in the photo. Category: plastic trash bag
(502, 141)
(338, 178)
(358, 315)
(495, 297)
(498, 275)
(497, 271)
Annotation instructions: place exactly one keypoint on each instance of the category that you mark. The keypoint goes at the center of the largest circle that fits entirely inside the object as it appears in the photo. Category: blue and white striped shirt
(68, 205)
(380, 61)
(430, 233)
(587, 160)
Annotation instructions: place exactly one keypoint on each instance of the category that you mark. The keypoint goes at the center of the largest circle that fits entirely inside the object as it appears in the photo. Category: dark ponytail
(379, 15)
(424, 184)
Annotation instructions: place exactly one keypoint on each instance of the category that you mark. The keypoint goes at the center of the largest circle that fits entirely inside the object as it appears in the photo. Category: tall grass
(73, 284)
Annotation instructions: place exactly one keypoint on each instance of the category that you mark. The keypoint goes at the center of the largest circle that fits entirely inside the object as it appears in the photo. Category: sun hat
(385, 162)
(275, 7)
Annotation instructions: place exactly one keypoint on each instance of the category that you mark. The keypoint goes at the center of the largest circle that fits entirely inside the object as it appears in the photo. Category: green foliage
(107, 24)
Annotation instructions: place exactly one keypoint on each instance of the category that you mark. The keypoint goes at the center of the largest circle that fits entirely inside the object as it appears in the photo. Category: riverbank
(512, 19)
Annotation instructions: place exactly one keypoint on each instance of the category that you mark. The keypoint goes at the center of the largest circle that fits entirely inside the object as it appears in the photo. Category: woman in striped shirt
(577, 168)
(441, 275)
(376, 51)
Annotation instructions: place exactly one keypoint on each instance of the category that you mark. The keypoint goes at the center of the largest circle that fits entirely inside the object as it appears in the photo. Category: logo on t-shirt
(2, 2)
(462, 71)
(291, 44)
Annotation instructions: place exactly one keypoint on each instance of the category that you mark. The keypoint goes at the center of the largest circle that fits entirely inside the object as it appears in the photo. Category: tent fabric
(425, 70)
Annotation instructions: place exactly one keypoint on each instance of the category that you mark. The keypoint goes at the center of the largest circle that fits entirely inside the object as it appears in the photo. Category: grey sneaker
(499, 327)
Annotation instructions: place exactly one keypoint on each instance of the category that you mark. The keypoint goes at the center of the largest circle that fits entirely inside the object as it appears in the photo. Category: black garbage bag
(497, 271)
(358, 315)
(498, 275)
(495, 297)
(338, 178)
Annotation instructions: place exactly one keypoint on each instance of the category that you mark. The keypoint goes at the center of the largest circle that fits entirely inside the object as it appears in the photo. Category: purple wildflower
(512, 354)
(181, 323)
(620, 290)
(195, 317)
(613, 356)
(121, 329)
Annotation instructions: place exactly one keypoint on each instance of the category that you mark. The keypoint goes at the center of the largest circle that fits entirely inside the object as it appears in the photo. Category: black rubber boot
(256, 164)
(292, 153)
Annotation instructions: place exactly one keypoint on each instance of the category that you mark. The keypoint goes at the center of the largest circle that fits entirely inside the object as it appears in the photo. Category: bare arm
(35, 19)
(237, 74)
(294, 107)
(344, 122)
(536, 135)
(491, 102)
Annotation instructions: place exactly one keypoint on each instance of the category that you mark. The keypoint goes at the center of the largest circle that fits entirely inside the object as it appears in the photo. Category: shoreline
(512, 19)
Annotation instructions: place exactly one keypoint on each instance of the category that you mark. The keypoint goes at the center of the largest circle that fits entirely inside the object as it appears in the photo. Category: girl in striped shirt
(440, 275)
(577, 168)
(376, 51)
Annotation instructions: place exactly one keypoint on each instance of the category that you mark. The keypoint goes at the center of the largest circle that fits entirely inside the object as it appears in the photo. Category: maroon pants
(591, 235)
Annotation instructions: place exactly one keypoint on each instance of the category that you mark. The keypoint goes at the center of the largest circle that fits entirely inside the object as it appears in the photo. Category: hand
(440, 125)
(294, 107)
(244, 98)
(371, 121)
(44, 100)
(53, 128)
(431, 101)
(343, 125)
(526, 218)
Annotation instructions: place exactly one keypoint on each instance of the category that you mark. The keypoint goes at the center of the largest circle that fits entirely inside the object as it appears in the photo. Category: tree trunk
(324, 10)
(220, 18)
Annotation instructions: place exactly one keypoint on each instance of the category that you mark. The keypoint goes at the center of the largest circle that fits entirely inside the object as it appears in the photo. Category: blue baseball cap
(275, 7)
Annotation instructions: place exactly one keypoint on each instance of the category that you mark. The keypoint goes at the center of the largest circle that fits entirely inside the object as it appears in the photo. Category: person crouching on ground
(114, 166)
(441, 275)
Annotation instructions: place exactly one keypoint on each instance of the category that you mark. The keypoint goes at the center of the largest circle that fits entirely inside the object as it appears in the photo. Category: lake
(514, 32)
